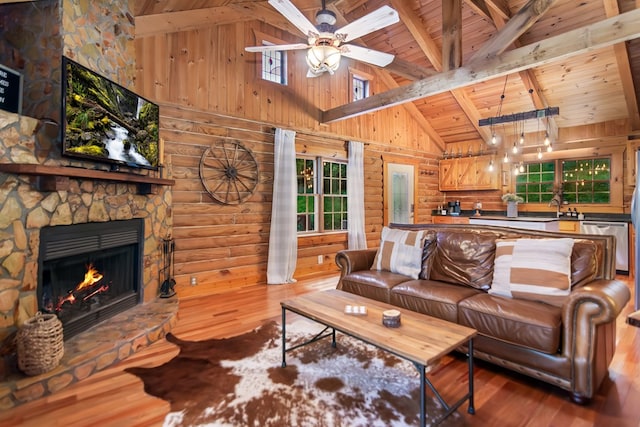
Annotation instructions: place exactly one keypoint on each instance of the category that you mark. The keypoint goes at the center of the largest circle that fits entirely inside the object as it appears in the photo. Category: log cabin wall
(210, 89)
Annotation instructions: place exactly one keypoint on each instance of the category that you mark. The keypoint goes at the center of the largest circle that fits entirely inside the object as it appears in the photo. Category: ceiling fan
(326, 44)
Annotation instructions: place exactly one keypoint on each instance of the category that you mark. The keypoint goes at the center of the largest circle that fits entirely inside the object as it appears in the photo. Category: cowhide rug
(239, 381)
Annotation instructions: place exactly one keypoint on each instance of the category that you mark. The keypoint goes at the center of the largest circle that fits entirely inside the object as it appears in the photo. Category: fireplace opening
(90, 272)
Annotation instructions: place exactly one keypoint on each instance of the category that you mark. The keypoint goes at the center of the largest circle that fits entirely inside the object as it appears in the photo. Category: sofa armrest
(589, 319)
(355, 260)
(608, 297)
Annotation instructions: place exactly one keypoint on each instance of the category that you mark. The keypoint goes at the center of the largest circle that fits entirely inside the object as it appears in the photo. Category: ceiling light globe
(322, 58)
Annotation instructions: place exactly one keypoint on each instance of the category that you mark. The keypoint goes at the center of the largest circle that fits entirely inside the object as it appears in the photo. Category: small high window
(274, 66)
(360, 88)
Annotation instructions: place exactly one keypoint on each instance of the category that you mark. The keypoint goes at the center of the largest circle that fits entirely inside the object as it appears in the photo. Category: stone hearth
(96, 349)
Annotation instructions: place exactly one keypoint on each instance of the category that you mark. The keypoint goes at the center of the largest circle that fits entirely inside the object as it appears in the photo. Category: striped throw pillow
(535, 269)
(400, 252)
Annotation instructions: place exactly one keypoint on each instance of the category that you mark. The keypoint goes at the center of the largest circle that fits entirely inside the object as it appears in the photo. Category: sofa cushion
(372, 284)
(433, 298)
(464, 258)
(534, 269)
(400, 252)
(521, 322)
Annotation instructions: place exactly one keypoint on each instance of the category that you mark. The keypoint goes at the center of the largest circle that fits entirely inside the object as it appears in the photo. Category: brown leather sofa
(570, 346)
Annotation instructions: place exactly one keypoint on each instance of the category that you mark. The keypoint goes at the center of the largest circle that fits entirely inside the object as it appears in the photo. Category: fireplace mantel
(54, 178)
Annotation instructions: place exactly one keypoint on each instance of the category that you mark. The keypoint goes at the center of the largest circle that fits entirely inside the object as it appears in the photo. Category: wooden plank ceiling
(582, 56)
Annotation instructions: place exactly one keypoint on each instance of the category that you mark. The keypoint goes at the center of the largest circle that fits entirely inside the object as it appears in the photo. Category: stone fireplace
(88, 273)
(33, 39)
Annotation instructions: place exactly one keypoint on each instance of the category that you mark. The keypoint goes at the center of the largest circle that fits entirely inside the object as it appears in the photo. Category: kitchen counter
(517, 219)
(529, 223)
(535, 216)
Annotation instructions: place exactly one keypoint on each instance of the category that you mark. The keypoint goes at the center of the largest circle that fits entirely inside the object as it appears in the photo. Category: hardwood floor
(115, 398)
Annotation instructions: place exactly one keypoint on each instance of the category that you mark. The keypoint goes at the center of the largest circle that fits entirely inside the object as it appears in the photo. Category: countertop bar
(519, 218)
(540, 216)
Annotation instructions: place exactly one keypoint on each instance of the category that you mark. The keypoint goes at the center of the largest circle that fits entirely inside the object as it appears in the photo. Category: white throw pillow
(533, 269)
(400, 252)
(501, 284)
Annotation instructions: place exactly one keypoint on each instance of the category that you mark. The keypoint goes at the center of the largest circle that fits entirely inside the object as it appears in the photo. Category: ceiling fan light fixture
(325, 17)
(322, 58)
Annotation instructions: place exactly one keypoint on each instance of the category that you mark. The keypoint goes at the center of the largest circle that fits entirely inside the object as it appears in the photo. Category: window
(274, 66)
(334, 183)
(307, 197)
(587, 180)
(323, 196)
(583, 181)
(360, 88)
(536, 183)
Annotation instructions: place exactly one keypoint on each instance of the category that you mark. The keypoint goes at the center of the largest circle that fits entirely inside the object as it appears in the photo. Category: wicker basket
(40, 344)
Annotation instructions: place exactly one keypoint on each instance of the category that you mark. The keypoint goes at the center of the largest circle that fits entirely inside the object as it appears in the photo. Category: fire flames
(84, 290)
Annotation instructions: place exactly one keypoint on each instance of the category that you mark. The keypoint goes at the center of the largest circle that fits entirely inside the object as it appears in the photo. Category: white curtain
(283, 236)
(355, 192)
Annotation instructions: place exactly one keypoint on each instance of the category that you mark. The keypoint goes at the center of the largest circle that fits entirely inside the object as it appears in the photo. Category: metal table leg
(284, 337)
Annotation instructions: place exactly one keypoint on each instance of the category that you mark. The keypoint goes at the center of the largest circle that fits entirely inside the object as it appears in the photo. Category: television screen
(106, 122)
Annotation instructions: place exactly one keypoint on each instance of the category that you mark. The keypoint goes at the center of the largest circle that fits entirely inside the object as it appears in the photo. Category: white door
(399, 193)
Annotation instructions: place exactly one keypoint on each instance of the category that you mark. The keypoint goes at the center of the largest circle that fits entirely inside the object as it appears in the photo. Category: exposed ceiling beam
(389, 81)
(517, 25)
(572, 43)
(409, 70)
(413, 110)
(171, 22)
(624, 68)
(451, 34)
(499, 8)
(418, 30)
(435, 55)
(528, 77)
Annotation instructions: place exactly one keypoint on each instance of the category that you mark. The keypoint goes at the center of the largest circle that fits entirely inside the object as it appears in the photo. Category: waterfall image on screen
(106, 122)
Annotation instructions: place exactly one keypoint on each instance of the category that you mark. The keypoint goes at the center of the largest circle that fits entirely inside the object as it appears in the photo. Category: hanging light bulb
(521, 169)
(515, 148)
(521, 138)
(506, 158)
(516, 171)
(494, 139)
(491, 165)
(549, 148)
(547, 141)
(539, 152)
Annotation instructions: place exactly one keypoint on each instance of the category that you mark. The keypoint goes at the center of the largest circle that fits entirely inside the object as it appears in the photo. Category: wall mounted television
(105, 122)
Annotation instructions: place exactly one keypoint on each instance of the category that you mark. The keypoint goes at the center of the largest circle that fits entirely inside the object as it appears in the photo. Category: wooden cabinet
(569, 226)
(468, 173)
(449, 220)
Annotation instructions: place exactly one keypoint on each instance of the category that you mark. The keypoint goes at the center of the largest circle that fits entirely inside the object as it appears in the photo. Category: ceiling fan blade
(276, 47)
(289, 11)
(369, 23)
(367, 55)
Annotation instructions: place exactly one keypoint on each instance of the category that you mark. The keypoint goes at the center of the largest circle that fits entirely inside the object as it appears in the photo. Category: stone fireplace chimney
(33, 38)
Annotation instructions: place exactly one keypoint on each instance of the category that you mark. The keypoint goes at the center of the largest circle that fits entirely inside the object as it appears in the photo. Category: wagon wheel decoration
(229, 172)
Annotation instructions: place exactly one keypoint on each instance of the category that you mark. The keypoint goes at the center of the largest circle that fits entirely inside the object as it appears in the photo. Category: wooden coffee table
(420, 339)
